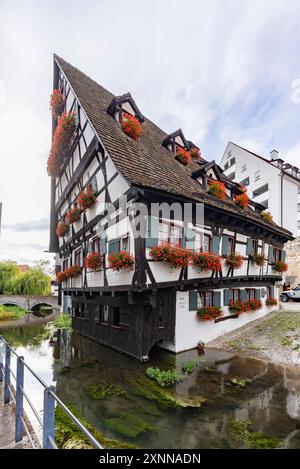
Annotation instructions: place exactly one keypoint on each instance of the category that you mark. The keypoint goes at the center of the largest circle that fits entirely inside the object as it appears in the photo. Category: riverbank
(275, 337)
(28, 320)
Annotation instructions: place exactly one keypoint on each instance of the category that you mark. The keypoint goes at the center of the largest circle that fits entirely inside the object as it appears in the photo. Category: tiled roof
(143, 162)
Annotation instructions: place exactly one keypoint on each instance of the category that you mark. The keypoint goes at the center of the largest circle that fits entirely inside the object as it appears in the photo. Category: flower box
(183, 156)
(209, 313)
(121, 260)
(259, 259)
(93, 261)
(234, 260)
(271, 302)
(86, 199)
(267, 216)
(217, 189)
(61, 276)
(61, 141)
(56, 103)
(61, 229)
(172, 255)
(73, 215)
(280, 266)
(242, 200)
(243, 306)
(73, 271)
(131, 126)
(206, 261)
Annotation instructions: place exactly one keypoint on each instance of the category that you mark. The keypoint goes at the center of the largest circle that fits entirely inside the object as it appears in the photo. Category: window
(175, 234)
(104, 312)
(125, 319)
(65, 264)
(230, 246)
(260, 190)
(198, 243)
(205, 298)
(226, 166)
(234, 294)
(81, 309)
(229, 154)
(298, 207)
(298, 224)
(163, 232)
(77, 258)
(243, 167)
(116, 316)
(250, 293)
(206, 243)
(277, 254)
(255, 247)
(94, 184)
(124, 243)
(96, 245)
(231, 176)
(232, 161)
(257, 175)
(169, 233)
(270, 292)
(265, 203)
(245, 182)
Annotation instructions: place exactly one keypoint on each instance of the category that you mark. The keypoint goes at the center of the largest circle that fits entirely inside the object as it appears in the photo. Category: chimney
(274, 155)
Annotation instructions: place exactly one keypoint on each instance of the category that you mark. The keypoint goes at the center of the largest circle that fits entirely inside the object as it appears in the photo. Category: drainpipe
(281, 199)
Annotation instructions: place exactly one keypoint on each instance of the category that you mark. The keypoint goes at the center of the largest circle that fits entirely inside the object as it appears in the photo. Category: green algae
(242, 436)
(189, 367)
(102, 390)
(129, 425)
(239, 382)
(68, 435)
(164, 398)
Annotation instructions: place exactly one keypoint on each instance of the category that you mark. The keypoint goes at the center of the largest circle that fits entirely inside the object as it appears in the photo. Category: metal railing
(17, 393)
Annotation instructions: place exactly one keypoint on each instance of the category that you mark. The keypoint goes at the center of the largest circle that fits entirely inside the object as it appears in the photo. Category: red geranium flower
(209, 312)
(73, 215)
(86, 199)
(183, 156)
(207, 261)
(121, 260)
(131, 126)
(56, 103)
(280, 266)
(61, 141)
(61, 229)
(172, 255)
(234, 260)
(93, 261)
(217, 189)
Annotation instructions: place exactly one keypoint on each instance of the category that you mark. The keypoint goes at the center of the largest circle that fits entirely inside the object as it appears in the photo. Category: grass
(8, 313)
(63, 321)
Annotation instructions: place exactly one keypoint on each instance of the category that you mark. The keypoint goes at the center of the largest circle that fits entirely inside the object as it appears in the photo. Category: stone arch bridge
(30, 303)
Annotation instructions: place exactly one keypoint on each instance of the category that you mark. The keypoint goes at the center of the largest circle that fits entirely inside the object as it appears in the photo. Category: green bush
(63, 321)
(163, 377)
(189, 367)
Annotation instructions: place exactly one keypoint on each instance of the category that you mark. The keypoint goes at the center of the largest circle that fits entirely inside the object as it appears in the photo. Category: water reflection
(103, 386)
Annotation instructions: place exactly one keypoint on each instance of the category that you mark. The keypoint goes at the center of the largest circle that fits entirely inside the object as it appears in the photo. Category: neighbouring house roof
(144, 162)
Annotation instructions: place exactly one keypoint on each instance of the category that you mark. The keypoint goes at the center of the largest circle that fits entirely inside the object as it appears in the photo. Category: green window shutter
(225, 245)
(283, 255)
(113, 246)
(243, 295)
(257, 294)
(263, 292)
(217, 298)
(271, 254)
(188, 240)
(103, 245)
(226, 297)
(249, 249)
(152, 232)
(216, 244)
(193, 300)
(272, 292)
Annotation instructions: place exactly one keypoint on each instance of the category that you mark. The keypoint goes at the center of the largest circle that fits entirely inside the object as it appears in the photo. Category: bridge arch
(36, 306)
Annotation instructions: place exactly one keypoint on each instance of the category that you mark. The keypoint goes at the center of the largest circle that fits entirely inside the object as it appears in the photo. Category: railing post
(1, 358)
(49, 418)
(7, 375)
(19, 399)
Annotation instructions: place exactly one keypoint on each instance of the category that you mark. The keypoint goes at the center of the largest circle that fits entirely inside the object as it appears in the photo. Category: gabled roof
(144, 162)
(124, 98)
(172, 136)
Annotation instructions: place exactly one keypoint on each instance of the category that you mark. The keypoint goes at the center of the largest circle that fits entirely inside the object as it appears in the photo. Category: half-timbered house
(142, 302)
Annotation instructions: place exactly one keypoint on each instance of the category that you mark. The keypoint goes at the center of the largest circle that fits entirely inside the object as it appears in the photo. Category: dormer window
(179, 146)
(125, 111)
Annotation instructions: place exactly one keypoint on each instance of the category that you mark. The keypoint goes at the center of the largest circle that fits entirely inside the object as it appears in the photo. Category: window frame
(76, 253)
(250, 292)
(202, 298)
(104, 309)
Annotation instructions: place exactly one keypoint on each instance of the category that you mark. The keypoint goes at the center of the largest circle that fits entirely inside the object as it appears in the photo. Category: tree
(8, 271)
(32, 282)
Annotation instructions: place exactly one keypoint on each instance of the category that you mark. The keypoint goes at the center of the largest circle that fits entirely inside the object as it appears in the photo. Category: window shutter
(188, 240)
(249, 249)
(226, 297)
(217, 298)
(224, 245)
(257, 294)
(243, 295)
(263, 292)
(94, 184)
(113, 246)
(271, 254)
(152, 232)
(283, 255)
(90, 247)
(216, 244)
(103, 245)
(272, 292)
(193, 300)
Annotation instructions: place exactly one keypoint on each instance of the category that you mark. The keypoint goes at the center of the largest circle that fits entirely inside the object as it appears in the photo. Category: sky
(223, 70)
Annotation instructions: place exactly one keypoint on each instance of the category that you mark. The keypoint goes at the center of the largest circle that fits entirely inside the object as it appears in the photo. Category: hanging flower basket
(131, 126)
(195, 153)
(73, 215)
(242, 200)
(121, 260)
(93, 261)
(61, 229)
(234, 260)
(271, 302)
(56, 103)
(73, 271)
(86, 199)
(206, 261)
(280, 266)
(259, 259)
(172, 255)
(267, 216)
(61, 141)
(217, 189)
(183, 156)
(61, 276)
(209, 313)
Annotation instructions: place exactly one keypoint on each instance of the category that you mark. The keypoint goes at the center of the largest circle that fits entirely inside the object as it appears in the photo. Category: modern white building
(270, 182)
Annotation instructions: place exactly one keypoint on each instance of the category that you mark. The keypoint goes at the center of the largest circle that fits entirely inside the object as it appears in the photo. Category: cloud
(37, 225)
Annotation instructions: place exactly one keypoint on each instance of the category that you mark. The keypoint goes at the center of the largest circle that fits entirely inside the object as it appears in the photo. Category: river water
(112, 393)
